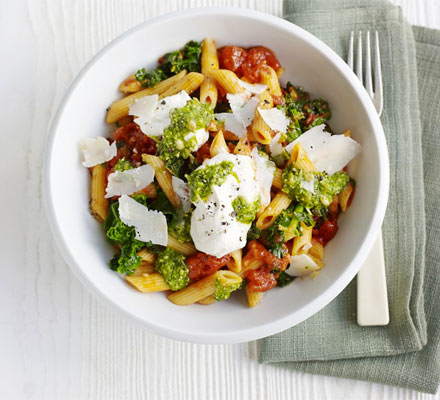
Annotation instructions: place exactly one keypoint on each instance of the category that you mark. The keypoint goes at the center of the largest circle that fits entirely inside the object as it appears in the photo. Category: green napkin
(407, 351)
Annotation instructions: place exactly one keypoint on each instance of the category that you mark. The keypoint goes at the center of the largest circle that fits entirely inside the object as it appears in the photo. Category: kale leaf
(284, 279)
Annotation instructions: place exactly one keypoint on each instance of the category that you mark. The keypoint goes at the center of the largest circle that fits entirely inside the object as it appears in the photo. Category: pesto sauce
(122, 165)
(203, 179)
(179, 138)
(245, 211)
(180, 226)
(325, 186)
(223, 291)
(171, 265)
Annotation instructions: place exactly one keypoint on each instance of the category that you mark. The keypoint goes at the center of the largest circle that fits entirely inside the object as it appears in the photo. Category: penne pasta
(270, 78)
(344, 197)
(250, 263)
(266, 100)
(186, 249)
(148, 283)
(279, 203)
(130, 85)
(280, 72)
(316, 251)
(149, 191)
(278, 179)
(202, 288)
(164, 178)
(300, 159)
(234, 265)
(260, 130)
(218, 145)
(227, 80)
(144, 268)
(347, 133)
(253, 298)
(121, 107)
(207, 300)
(209, 61)
(300, 241)
(146, 256)
(242, 148)
(98, 203)
(189, 83)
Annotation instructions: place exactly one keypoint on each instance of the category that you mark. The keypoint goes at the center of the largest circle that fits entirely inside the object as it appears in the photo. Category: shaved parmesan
(276, 148)
(243, 112)
(152, 123)
(264, 172)
(275, 118)
(302, 265)
(183, 191)
(255, 89)
(232, 124)
(129, 181)
(151, 226)
(97, 151)
(144, 107)
(329, 153)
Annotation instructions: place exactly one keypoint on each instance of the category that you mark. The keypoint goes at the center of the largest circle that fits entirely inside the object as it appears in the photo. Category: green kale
(223, 289)
(171, 265)
(303, 112)
(124, 236)
(284, 279)
(288, 222)
(254, 232)
(325, 186)
(123, 165)
(150, 78)
(202, 180)
(171, 64)
(245, 211)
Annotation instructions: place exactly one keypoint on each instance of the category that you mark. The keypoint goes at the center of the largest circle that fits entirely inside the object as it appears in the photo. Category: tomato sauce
(247, 63)
(262, 279)
(201, 265)
(203, 153)
(327, 230)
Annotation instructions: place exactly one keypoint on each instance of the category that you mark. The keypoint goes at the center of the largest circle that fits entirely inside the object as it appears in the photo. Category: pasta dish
(217, 177)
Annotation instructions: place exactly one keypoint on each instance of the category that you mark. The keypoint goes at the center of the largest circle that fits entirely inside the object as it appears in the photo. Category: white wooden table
(56, 340)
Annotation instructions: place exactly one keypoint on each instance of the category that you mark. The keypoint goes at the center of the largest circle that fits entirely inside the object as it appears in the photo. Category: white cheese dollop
(302, 265)
(151, 226)
(202, 136)
(97, 151)
(329, 153)
(153, 115)
(129, 181)
(214, 227)
(265, 170)
(183, 191)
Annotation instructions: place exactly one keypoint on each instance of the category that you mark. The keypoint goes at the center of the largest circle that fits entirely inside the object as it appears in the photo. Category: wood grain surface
(56, 340)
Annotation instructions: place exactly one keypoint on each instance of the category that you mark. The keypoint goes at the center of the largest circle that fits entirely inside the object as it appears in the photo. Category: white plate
(307, 62)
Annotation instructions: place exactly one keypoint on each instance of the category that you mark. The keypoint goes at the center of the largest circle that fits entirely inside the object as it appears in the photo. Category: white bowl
(307, 62)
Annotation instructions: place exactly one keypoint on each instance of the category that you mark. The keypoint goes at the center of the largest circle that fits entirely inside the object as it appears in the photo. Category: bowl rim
(272, 327)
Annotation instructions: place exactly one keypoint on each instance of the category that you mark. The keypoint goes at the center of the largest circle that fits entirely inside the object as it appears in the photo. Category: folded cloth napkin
(406, 352)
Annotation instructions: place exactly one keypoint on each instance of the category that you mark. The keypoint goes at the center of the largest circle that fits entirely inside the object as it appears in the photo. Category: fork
(372, 299)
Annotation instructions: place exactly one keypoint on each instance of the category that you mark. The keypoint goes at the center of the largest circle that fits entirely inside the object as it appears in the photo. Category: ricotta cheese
(151, 226)
(329, 153)
(301, 265)
(129, 181)
(97, 151)
(214, 226)
(153, 115)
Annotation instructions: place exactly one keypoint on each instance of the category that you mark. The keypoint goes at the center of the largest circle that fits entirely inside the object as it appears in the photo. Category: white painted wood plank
(56, 341)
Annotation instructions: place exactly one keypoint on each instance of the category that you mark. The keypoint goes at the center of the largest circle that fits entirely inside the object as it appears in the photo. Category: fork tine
(359, 58)
(378, 90)
(350, 51)
(368, 81)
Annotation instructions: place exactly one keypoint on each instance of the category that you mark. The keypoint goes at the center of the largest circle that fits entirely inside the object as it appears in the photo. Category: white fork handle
(372, 299)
